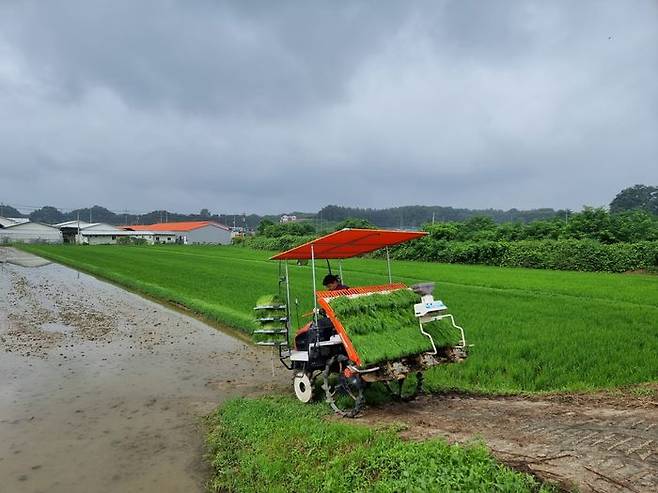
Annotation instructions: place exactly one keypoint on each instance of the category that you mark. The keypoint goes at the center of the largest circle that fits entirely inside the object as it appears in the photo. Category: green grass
(383, 327)
(532, 330)
(276, 444)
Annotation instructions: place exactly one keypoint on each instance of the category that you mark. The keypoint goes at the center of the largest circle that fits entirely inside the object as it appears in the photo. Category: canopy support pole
(388, 262)
(340, 270)
(315, 301)
(288, 308)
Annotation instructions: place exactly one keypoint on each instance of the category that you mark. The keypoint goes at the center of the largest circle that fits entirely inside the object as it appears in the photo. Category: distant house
(191, 232)
(27, 232)
(85, 233)
(5, 221)
(287, 218)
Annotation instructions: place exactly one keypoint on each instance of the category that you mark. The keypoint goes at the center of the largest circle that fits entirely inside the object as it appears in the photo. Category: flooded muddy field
(102, 390)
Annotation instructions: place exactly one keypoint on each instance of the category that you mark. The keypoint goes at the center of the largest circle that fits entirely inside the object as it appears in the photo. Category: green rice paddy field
(532, 330)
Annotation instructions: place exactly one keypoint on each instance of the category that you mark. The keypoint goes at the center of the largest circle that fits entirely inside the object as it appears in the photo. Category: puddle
(57, 328)
(113, 401)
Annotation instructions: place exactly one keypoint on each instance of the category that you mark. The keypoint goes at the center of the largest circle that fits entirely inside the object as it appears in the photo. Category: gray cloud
(272, 106)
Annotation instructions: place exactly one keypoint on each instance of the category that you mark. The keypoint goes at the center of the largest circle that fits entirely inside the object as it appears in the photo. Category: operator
(332, 283)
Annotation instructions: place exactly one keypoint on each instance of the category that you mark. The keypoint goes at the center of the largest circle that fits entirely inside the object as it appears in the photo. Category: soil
(606, 442)
(102, 390)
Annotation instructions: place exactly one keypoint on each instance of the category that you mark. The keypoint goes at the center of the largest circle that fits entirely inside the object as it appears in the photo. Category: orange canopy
(348, 243)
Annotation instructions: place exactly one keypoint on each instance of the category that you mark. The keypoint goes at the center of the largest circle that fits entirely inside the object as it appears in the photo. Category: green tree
(443, 231)
(263, 225)
(544, 230)
(510, 232)
(48, 215)
(276, 230)
(636, 197)
(635, 225)
(479, 228)
(592, 223)
(354, 223)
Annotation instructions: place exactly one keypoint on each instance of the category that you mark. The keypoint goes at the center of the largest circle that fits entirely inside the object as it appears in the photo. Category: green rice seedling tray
(383, 327)
(271, 318)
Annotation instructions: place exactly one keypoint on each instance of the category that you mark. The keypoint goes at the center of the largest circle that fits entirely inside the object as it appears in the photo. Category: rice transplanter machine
(323, 348)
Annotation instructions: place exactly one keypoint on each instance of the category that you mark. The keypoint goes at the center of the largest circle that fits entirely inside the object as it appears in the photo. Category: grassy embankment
(273, 444)
(532, 330)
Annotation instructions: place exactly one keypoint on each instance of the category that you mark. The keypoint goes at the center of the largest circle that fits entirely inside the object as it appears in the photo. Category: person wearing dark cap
(332, 283)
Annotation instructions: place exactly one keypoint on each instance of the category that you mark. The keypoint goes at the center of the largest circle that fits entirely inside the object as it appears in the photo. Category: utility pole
(433, 214)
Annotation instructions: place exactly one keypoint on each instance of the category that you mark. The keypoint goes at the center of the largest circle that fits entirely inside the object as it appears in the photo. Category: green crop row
(532, 330)
(276, 444)
(577, 255)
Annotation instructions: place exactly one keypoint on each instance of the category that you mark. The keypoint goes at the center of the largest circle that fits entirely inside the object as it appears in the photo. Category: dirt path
(599, 443)
(102, 390)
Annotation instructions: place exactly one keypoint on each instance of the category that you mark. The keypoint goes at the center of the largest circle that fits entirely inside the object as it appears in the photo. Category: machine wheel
(395, 388)
(344, 394)
(303, 387)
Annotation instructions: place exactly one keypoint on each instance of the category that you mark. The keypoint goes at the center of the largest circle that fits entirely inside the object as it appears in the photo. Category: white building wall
(30, 233)
(90, 239)
(156, 238)
(208, 234)
(5, 221)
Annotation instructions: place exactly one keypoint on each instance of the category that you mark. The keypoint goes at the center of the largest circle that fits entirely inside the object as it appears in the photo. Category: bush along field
(577, 255)
(275, 444)
(592, 240)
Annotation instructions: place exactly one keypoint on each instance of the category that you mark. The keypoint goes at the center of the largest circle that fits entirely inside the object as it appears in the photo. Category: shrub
(580, 255)
(280, 243)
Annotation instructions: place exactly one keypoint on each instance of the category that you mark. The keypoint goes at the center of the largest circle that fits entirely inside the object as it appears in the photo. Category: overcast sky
(277, 106)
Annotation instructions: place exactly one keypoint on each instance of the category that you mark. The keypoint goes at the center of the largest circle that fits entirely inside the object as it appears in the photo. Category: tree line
(98, 214)
(637, 197)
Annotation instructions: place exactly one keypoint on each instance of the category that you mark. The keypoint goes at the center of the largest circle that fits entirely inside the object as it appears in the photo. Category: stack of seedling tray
(383, 327)
(271, 319)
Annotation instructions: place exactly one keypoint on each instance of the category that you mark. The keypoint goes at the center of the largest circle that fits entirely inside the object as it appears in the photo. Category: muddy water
(102, 390)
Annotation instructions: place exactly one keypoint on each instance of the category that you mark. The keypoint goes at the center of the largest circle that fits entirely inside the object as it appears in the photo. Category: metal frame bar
(288, 310)
(315, 301)
(388, 262)
(462, 343)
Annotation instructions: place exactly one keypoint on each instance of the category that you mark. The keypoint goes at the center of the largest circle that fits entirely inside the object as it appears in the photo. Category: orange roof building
(190, 232)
